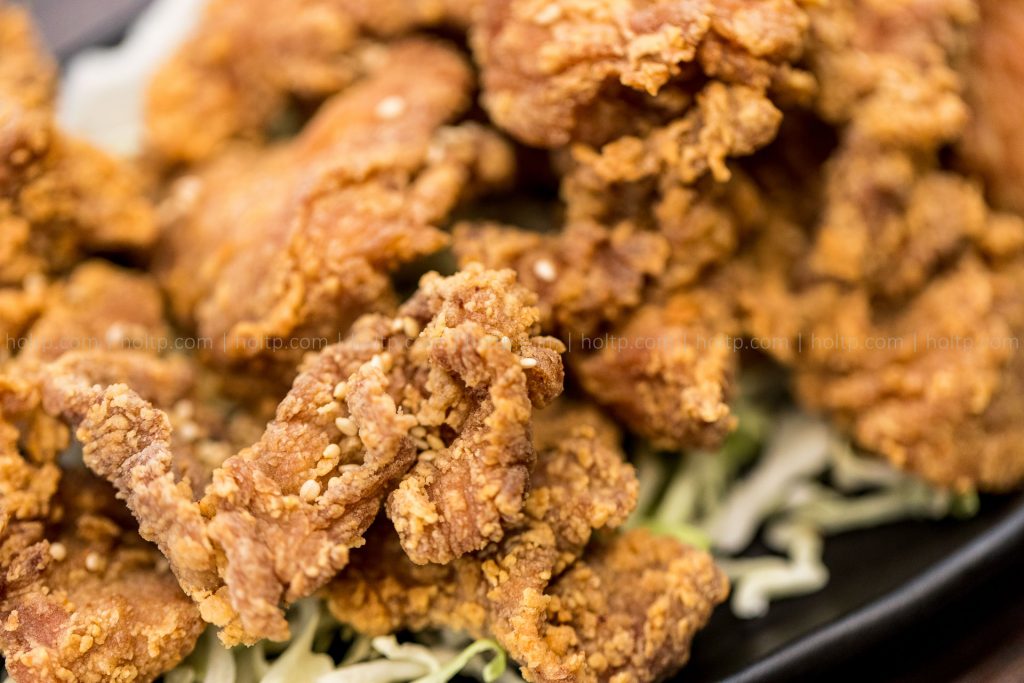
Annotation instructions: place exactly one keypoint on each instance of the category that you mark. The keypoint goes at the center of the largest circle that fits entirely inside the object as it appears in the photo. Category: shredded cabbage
(798, 450)
(380, 660)
(707, 502)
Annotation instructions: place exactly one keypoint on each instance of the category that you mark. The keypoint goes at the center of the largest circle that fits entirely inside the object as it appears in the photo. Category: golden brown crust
(83, 598)
(245, 65)
(485, 372)
(60, 199)
(551, 68)
(279, 518)
(585, 276)
(889, 308)
(269, 254)
(628, 607)
(669, 371)
(993, 145)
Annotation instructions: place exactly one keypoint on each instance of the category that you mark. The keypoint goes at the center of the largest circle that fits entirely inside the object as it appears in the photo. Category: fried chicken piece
(887, 73)
(923, 379)
(112, 320)
(486, 371)
(259, 514)
(279, 518)
(275, 252)
(669, 370)
(585, 276)
(70, 591)
(555, 72)
(99, 307)
(677, 179)
(993, 145)
(59, 198)
(532, 592)
(245, 64)
(108, 322)
(889, 309)
(590, 278)
(676, 224)
(634, 604)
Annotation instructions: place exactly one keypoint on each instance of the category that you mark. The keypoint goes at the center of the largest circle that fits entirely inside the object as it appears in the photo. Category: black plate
(883, 581)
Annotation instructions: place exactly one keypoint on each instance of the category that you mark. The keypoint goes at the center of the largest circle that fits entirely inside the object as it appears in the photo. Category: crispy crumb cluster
(439, 420)
(625, 606)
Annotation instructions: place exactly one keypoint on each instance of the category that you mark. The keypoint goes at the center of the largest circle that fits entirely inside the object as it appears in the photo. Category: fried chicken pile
(297, 348)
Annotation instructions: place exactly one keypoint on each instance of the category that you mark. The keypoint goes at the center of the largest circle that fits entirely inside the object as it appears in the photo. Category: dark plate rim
(896, 610)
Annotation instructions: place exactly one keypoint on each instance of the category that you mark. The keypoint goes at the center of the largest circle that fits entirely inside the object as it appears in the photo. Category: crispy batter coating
(246, 64)
(993, 144)
(629, 607)
(83, 598)
(256, 514)
(486, 370)
(279, 518)
(556, 72)
(585, 276)
(890, 309)
(887, 77)
(668, 372)
(581, 483)
(270, 253)
(589, 278)
(99, 307)
(59, 198)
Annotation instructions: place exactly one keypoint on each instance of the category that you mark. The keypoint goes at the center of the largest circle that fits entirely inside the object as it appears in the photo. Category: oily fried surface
(888, 78)
(668, 371)
(889, 308)
(557, 613)
(430, 387)
(60, 199)
(476, 370)
(83, 598)
(555, 72)
(270, 254)
(584, 276)
(246, 65)
(993, 145)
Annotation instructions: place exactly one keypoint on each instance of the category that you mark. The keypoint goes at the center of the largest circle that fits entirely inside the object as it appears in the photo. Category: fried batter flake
(264, 250)
(532, 592)
(561, 71)
(70, 589)
(279, 518)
